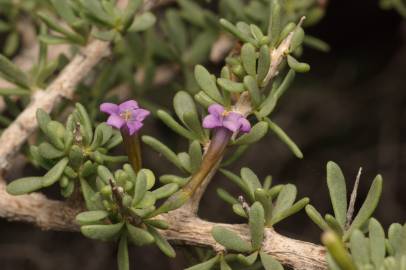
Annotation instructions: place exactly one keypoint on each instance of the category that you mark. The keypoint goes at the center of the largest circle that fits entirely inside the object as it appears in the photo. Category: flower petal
(216, 109)
(245, 125)
(140, 114)
(128, 105)
(133, 127)
(109, 108)
(211, 121)
(115, 121)
(231, 121)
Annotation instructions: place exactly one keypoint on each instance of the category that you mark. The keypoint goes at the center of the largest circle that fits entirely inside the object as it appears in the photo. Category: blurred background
(351, 108)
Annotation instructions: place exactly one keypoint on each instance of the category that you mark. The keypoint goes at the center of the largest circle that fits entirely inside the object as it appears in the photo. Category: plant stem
(132, 148)
(215, 152)
(210, 160)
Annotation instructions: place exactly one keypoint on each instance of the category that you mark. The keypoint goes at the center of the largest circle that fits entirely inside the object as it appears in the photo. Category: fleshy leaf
(256, 224)
(24, 185)
(269, 262)
(122, 254)
(376, 242)
(89, 217)
(230, 240)
(102, 232)
(338, 192)
(139, 236)
(162, 243)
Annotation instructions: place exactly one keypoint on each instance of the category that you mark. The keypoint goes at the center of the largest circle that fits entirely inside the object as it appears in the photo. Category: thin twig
(185, 228)
(63, 86)
(350, 211)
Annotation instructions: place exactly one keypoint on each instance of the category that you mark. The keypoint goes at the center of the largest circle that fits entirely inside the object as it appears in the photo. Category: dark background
(349, 109)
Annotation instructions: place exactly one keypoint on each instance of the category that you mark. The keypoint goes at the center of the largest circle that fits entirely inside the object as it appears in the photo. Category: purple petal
(231, 121)
(128, 105)
(140, 114)
(245, 125)
(109, 108)
(115, 121)
(216, 109)
(133, 127)
(211, 121)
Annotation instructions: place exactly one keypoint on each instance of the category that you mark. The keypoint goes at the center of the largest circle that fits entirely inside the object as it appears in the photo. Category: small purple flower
(219, 117)
(125, 115)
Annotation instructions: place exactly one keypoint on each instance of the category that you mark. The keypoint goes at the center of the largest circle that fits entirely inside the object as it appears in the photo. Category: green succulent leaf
(239, 210)
(359, 248)
(248, 260)
(207, 83)
(316, 217)
(163, 149)
(376, 242)
(92, 198)
(275, 21)
(12, 73)
(230, 240)
(102, 232)
(55, 173)
(285, 138)
(165, 191)
(138, 236)
(251, 180)
(334, 224)
(24, 185)
(196, 155)
(142, 22)
(251, 85)
(297, 38)
(157, 223)
(231, 86)
(227, 197)
(291, 211)
(162, 243)
(338, 192)
(269, 262)
(338, 251)
(174, 125)
(90, 217)
(123, 260)
(248, 57)
(264, 63)
(140, 188)
(285, 199)
(256, 224)
(297, 66)
(236, 32)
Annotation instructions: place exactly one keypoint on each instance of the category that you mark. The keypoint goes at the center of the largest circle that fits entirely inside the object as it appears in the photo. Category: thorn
(350, 211)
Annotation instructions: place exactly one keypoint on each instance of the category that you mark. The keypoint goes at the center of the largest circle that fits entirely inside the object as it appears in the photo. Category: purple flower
(219, 117)
(125, 115)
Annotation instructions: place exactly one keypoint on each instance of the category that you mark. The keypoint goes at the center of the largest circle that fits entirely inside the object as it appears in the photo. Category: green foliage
(342, 223)
(120, 205)
(278, 202)
(70, 152)
(374, 251)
